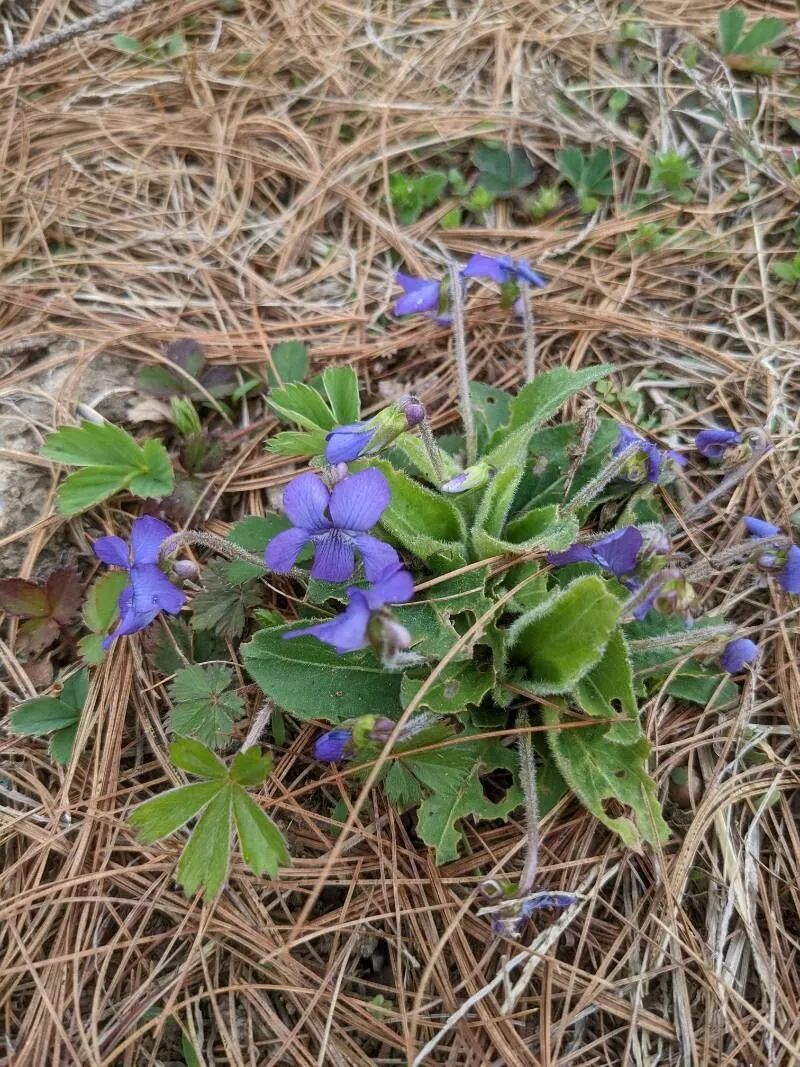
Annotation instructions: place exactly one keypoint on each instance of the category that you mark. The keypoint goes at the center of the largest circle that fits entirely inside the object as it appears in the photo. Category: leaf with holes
(441, 811)
(610, 779)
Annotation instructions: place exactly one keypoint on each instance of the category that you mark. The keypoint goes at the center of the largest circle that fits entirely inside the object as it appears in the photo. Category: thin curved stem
(206, 540)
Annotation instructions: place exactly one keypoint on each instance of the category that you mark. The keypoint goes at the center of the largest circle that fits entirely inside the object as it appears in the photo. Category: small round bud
(185, 568)
(414, 412)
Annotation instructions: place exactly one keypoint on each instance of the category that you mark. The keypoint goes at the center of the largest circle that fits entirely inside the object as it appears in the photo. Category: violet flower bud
(185, 568)
(737, 654)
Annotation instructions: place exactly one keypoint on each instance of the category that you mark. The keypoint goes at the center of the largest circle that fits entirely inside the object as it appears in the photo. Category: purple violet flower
(759, 527)
(349, 631)
(356, 439)
(616, 553)
(330, 748)
(335, 523)
(149, 591)
(423, 296)
(785, 562)
(737, 654)
(715, 444)
(502, 269)
(648, 454)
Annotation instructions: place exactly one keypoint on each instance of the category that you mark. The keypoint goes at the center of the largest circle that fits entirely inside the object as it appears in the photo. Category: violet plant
(433, 598)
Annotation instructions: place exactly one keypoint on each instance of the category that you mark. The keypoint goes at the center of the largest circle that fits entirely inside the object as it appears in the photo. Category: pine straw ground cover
(236, 191)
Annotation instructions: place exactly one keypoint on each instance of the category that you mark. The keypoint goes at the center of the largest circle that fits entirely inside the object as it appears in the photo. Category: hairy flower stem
(688, 638)
(426, 433)
(601, 480)
(698, 510)
(462, 367)
(527, 777)
(206, 540)
(529, 329)
(258, 726)
(417, 724)
(707, 568)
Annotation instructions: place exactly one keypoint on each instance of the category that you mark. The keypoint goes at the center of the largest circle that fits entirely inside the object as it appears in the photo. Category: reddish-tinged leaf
(63, 589)
(25, 599)
(45, 608)
(38, 633)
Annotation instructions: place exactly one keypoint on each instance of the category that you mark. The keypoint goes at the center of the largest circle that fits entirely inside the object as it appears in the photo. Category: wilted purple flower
(502, 269)
(784, 562)
(334, 522)
(349, 631)
(330, 748)
(423, 296)
(648, 461)
(149, 590)
(715, 444)
(616, 553)
(356, 439)
(737, 654)
(511, 918)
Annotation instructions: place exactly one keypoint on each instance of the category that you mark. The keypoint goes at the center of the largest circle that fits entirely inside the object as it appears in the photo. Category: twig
(23, 52)
(529, 328)
(462, 367)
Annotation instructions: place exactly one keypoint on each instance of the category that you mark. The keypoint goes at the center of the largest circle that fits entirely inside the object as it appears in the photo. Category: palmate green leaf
(440, 811)
(112, 460)
(422, 521)
(206, 856)
(561, 640)
(458, 685)
(171, 810)
(302, 404)
(219, 800)
(90, 649)
(600, 772)
(341, 388)
(502, 172)
(308, 679)
(228, 595)
(75, 690)
(203, 707)
(262, 844)
(290, 362)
